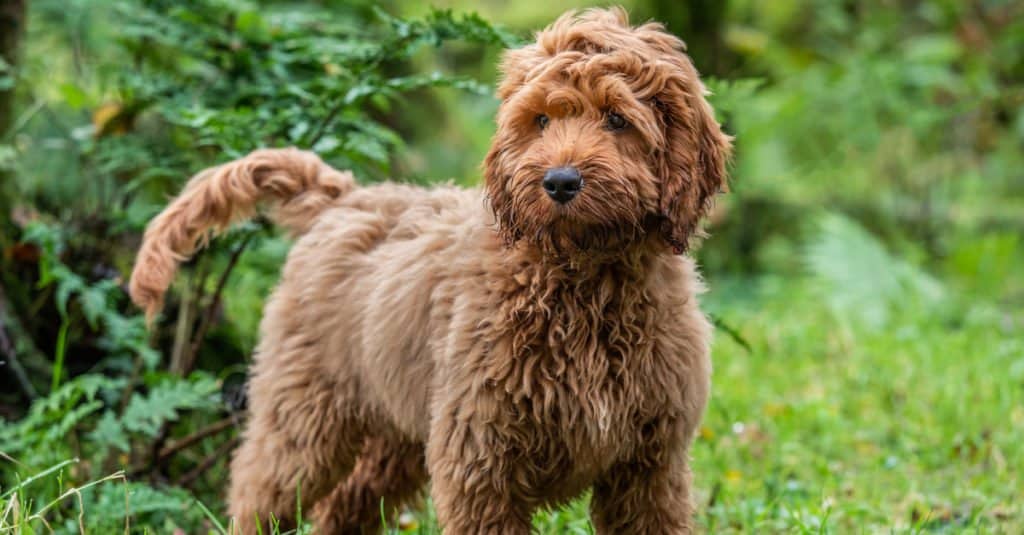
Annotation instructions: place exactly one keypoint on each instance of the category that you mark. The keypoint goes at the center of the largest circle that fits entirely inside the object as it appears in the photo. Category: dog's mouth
(572, 227)
(563, 210)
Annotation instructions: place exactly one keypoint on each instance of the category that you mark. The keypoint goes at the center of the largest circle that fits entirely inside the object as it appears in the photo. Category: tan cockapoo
(516, 346)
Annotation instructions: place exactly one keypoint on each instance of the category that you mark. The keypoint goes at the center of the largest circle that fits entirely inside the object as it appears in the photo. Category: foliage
(289, 78)
(905, 116)
(861, 278)
(863, 270)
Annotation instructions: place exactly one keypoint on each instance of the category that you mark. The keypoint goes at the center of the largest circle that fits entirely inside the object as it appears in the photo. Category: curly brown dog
(516, 356)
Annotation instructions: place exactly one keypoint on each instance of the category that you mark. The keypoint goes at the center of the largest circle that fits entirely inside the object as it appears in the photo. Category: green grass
(827, 427)
(911, 426)
(19, 515)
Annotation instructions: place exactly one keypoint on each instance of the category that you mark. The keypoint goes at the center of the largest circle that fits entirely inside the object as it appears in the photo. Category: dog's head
(604, 137)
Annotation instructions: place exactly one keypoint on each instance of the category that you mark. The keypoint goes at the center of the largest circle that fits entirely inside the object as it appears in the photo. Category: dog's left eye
(615, 121)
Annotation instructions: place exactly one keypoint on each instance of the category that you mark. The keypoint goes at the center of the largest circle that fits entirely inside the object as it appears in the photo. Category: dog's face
(604, 137)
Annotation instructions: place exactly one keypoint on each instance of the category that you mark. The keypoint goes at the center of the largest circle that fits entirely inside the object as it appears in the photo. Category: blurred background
(866, 270)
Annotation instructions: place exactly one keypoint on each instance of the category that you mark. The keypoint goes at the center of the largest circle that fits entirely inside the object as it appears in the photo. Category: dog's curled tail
(298, 183)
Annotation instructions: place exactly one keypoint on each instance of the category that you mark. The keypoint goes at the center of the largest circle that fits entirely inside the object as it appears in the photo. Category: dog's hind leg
(390, 473)
(306, 425)
(298, 443)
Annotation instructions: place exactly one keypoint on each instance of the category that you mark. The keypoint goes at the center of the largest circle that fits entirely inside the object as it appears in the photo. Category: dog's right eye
(616, 122)
(542, 121)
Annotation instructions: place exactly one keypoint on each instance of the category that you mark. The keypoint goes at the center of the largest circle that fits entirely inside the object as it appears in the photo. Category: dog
(515, 345)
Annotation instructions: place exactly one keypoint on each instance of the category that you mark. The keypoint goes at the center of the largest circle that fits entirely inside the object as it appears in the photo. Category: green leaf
(863, 282)
(68, 283)
(146, 414)
(933, 48)
(109, 432)
(73, 95)
(94, 304)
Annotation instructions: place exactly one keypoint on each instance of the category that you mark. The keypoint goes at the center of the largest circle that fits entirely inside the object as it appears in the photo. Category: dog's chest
(574, 386)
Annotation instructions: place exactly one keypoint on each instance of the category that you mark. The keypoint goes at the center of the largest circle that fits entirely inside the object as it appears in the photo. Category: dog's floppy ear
(515, 63)
(694, 158)
(498, 197)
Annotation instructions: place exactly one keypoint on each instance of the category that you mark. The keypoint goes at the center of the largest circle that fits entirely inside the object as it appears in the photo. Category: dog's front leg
(649, 494)
(473, 484)
(464, 508)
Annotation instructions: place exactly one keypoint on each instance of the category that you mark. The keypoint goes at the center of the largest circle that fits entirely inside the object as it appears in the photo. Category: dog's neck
(632, 260)
(630, 251)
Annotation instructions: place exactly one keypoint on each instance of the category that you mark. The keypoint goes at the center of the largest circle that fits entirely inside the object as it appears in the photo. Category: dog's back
(364, 281)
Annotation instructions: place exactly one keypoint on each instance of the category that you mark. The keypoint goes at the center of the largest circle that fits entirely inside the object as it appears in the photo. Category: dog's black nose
(562, 183)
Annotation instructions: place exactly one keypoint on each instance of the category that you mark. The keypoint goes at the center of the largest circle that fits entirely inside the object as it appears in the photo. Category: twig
(205, 432)
(187, 312)
(321, 129)
(23, 119)
(156, 463)
(160, 454)
(211, 309)
(189, 477)
(183, 330)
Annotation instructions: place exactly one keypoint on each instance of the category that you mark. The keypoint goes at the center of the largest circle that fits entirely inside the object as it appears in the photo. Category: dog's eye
(616, 121)
(542, 121)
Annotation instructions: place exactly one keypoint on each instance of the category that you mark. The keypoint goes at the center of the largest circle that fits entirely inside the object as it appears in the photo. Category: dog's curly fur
(519, 355)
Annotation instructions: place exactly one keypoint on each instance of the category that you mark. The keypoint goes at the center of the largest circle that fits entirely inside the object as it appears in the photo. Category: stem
(207, 463)
(205, 432)
(58, 364)
(38, 476)
(326, 123)
(182, 331)
(75, 490)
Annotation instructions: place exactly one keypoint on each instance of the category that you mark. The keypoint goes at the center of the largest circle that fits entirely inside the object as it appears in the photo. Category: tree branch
(211, 309)
(189, 440)
(12, 28)
(223, 450)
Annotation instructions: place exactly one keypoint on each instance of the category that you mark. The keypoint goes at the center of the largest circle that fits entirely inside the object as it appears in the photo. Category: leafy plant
(861, 280)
